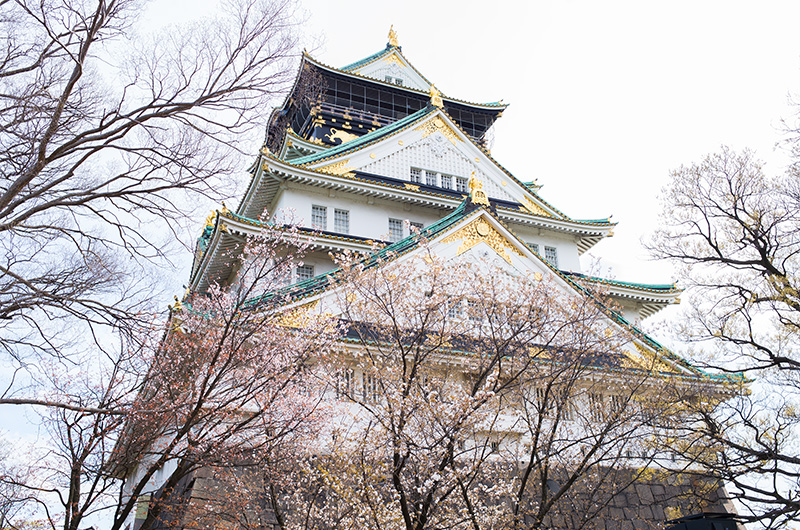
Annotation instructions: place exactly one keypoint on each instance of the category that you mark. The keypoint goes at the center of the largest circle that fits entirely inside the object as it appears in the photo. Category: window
(596, 406)
(494, 445)
(535, 248)
(398, 81)
(319, 217)
(551, 256)
(454, 310)
(430, 178)
(344, 384)
(395, 230)
(305, 272)
(461, 184)
(474, 311)
(341, 221)
(416, 175)
(370, 388)
(617, 403)
(447, 181)
(416, 225)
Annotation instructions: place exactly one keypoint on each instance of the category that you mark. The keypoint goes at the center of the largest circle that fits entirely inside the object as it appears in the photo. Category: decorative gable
(393, 68)
(436, 154)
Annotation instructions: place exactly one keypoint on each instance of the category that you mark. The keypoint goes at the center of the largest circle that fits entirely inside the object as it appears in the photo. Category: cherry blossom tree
(473, 396)
(226, 391)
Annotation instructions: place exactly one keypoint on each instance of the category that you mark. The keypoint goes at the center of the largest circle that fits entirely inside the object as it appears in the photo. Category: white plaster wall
(566, 246)
(366, 220)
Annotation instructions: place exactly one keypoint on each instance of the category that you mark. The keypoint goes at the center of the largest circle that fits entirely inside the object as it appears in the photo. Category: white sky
(606, 97)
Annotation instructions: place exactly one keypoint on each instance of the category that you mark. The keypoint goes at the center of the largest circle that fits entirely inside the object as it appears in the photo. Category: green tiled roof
(363, 140)
(671, 287)
(319, 283)
(366, 60)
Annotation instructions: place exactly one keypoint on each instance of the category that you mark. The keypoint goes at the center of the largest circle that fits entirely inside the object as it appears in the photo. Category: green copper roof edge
(393, 251)
(362, 141)
(367, 60)
(647, 286)
(638, 333)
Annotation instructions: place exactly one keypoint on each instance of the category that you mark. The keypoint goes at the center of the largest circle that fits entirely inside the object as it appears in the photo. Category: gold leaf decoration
(535, 208)
(480, 231)
(437, 124)
(296, 318)
(338, 168)
(394, 59)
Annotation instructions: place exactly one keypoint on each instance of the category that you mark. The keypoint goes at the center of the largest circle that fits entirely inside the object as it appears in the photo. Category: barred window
(395, 230)
(430, 178)
(474, 311)
(370, 388)
(535, 247)
(461, 184)
(416, 225)
(617, 403)
(596, 406)
(551, 256)
(447, 181)
(416, 175)
(305, 272)
(454, 310)
(344, 384)
(341, 221)
(319, 217)
(494, 445)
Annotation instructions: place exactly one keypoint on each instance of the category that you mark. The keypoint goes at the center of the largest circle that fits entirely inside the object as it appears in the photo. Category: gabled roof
(494, 105)
(365, 140)
(528, 198)
(502, 240)
(390, 53)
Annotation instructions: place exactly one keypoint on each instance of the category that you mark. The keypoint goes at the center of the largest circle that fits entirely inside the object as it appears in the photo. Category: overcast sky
(606, 97)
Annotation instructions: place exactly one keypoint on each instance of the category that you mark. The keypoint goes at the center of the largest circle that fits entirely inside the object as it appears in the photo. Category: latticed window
(370, 388)
(617, 403)
(596, 406)
(344, 384)
(305, 272)
(341, 221)
(535, 247)
(430, 178)
(416, 225)
(454, 310)
(447, 181)
(461, 184)
(319, 217)
(416, 175)
(551, 256)
(395, 230)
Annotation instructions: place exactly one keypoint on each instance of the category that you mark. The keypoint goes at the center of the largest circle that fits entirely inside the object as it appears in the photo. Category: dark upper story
(330, 106)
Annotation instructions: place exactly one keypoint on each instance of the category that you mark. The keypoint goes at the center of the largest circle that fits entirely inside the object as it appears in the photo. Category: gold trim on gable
(297, 318)
(480, 231)
(437, 124)
(394, 59)
(338, 168)
(534, 208)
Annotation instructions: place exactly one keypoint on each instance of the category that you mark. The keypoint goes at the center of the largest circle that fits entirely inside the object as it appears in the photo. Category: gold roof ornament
(436, 97)
(393, 37)
(210, 219)
(224, 210)
(476, 192)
